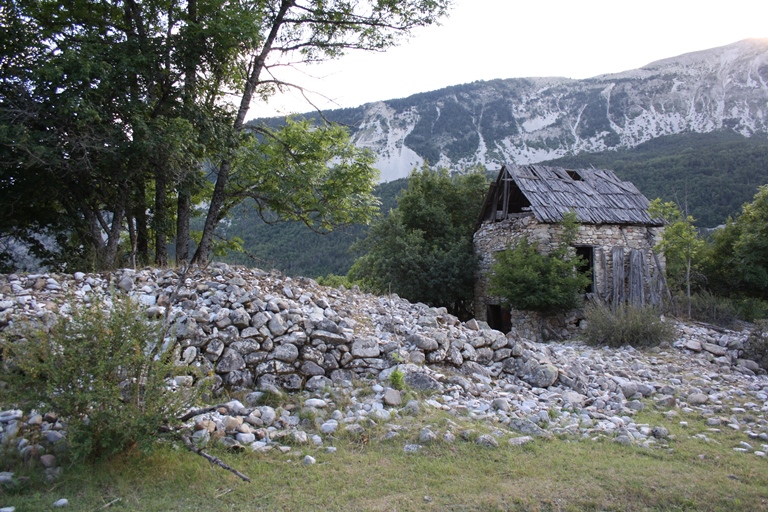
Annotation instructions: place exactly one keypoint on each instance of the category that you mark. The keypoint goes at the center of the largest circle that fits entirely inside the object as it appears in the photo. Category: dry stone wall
(258, 329)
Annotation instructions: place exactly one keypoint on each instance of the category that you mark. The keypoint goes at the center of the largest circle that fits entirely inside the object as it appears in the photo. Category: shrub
(102, 371)
(706, 307)
(751, 309)
(397, 379)
(626, 325)
(334, 281)
(725, 311)
(756, 346)
(529, 280)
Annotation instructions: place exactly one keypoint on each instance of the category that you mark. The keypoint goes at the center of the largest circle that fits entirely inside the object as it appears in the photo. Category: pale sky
(487, 39)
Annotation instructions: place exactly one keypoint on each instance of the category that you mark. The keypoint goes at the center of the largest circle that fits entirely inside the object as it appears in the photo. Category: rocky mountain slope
(527, 120)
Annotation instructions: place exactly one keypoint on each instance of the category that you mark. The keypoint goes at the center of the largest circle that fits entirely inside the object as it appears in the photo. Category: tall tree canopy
(736, 261)
(423, 250)
(112, 111)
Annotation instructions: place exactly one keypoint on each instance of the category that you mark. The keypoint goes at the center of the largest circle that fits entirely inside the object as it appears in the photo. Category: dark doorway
(499, 317)
(587, 254)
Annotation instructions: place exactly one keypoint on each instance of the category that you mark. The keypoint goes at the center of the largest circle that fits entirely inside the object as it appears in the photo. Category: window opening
(575, 176)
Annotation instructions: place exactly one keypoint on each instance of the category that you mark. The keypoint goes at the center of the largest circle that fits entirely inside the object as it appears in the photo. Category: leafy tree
(109, 111)
(737, 259)
(92, 122)
(310, 31)
(423, 250)
(680, 244)
(526, 279)
(306, 173)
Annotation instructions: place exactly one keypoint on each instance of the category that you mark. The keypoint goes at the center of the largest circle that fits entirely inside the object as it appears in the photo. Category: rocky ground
(309, 363)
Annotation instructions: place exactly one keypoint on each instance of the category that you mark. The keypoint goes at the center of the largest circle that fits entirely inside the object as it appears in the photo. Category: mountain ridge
(530, 120)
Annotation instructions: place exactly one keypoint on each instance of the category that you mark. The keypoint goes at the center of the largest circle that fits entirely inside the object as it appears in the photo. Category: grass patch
(557, 474)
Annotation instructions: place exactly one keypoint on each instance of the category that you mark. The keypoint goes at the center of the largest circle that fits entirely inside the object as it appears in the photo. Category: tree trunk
(161, 220)
(182, 226)
(142, 231)
(203, 254)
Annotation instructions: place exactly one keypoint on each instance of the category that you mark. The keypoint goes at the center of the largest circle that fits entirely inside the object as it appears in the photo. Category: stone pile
(336, 351)
(256, 329)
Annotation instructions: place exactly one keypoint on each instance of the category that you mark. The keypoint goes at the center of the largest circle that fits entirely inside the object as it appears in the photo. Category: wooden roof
(596, 196)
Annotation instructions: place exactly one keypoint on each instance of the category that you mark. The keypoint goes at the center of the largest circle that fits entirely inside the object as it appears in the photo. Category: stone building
(616, 235)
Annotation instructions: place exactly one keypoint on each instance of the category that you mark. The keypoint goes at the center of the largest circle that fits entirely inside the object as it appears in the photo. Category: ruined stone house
(616, 234)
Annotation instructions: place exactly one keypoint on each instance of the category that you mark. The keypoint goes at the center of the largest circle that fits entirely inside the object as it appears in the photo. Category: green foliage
(272, 398)
(736, 262)
(397, 379)
(335, 281)
(756, 346)
(103, 371)
(626, 324)
(713, 309)
(680, 244)
(423, 250)
(109, 112)
(680, 241)
(307, 173)
(526, 279)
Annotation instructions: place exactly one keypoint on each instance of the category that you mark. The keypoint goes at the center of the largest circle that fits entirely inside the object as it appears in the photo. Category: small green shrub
(724, 311)
(626, 325)
(102, 372)
(397, 379)
(525, 279)
(334, 281)
(756, 346)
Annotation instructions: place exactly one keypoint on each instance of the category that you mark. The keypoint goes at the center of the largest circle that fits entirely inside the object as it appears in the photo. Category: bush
(397, 379)
(751, 309)
(706, 307)
(102, 371)
(525, 279)
(725, 311)
(756, 346)
(626, 325)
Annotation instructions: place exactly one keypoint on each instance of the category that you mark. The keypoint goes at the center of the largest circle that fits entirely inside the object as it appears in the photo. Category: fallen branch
(210, 458)
(192, 414)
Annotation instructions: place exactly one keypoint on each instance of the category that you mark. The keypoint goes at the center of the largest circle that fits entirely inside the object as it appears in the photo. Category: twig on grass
(107, 505)
(210, 458)
(227, 491)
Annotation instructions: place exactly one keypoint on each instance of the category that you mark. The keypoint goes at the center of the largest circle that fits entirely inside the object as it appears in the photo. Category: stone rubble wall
(493, 237)
(257, 329)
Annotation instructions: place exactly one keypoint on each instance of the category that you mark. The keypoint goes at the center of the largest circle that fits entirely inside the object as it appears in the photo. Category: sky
(488, 39)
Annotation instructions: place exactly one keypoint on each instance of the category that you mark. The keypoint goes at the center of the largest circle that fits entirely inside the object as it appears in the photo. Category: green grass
(368, 473)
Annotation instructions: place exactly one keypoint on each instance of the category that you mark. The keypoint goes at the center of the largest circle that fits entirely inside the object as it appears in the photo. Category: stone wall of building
(493, 237)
